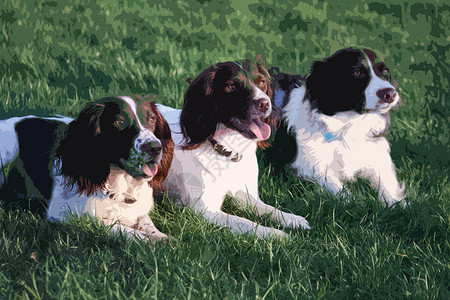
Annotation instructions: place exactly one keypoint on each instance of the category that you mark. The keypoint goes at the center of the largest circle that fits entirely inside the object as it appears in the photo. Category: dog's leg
(144, 229)
(285, 219)
(385, 179)
(128, 231)
(145, 224)
(331, 183)
(392, 193)
(209, 206)
(241, 226)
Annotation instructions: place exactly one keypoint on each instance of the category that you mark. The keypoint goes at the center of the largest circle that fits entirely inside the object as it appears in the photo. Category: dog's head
(351, 79)
(230, 93)
(123, 132)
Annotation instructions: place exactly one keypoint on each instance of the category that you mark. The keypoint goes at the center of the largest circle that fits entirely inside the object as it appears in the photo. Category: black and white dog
(222, 120)
(339, 116)
(105, 163)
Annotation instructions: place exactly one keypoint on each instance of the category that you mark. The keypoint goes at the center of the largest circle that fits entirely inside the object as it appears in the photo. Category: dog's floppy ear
(162, 132)
(314, 81)
(316, 68)
(260, 71)
(372, 56)
(94, 110)
(260, 66)
(198, 118)
(80, 158)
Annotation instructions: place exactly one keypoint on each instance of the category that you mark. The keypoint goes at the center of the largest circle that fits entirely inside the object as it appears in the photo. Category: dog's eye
(356, 73)
(230, 87)
(119, 123)
(261, 84)
(383, 71)
(151, 119)
(259, 81)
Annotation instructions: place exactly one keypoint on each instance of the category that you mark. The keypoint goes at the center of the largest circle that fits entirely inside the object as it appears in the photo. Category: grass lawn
(57, 55)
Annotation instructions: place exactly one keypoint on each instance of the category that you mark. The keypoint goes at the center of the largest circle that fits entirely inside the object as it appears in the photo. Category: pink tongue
(262, 133)
(150, 172)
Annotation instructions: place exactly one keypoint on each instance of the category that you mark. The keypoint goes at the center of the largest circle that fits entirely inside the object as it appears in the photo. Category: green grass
(57, 55)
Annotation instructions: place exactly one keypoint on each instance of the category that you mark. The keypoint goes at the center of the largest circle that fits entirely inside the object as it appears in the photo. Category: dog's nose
(387, 95)
(152, 148)
(263, 105)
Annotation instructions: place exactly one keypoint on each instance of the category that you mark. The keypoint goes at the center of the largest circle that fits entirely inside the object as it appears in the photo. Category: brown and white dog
(223, 119)
(105, 163)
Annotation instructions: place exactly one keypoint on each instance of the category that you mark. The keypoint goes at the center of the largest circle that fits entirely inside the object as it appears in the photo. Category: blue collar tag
(329, 136)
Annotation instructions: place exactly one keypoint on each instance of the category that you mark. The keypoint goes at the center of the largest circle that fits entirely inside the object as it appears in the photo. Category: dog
(335, 121)
(106, 163)
(223, 118)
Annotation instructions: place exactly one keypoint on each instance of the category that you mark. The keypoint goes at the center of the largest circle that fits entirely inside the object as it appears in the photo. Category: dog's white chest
(123, 200)
(64, 201)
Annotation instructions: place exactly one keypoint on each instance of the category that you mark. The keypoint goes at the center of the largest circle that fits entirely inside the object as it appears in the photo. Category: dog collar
(222, 150)
(239, 64)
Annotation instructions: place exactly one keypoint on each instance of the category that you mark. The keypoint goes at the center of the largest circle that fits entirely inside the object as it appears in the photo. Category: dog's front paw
(137, 234)
(145, 225)
(269, 232)
(397, 197)
(294, 221)
(396, 203)
(157, 235)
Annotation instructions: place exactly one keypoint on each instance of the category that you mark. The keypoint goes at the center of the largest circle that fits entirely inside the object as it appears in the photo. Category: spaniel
(224, 117)
(335, 121)
(106, 163)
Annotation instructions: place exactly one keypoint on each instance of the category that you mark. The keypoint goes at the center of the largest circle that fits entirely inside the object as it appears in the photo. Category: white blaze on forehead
(259, 94)
(376, 83)
(145, 134)
(133, 106)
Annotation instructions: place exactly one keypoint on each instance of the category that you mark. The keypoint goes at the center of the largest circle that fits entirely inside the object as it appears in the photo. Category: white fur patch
(145, 135)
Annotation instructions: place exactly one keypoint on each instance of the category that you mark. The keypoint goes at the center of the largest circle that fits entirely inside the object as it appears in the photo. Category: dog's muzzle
(262, 102)
(386, 95)
(153, 149)
(148, 144)
(264, 107)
